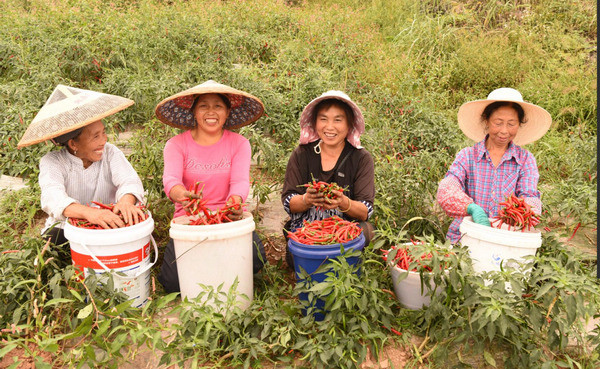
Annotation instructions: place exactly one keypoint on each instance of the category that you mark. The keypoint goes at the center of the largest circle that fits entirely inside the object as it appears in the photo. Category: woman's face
(332, 125)
(502, 126)
(211, 113)
(89, 145)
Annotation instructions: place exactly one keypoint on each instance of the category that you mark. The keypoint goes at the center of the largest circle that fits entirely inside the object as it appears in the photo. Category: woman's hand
(478, 214)
(339, 200)
(186, 196)
(237, 212)
(130, 213)
(104, 218)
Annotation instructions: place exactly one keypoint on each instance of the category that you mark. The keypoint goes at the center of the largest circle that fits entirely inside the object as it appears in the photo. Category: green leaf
(6, 349)
(85, 312)
(76, 294)
(543, 290)
(489, 358)
(57, 301)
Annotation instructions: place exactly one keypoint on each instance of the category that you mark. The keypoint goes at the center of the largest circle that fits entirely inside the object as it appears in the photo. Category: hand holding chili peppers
(192, 200)
(234, 205)
(516, 213)
(103, 217)
(130, 213)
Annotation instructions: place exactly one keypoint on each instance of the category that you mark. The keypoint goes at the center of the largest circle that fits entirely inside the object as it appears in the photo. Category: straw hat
(538, 120)
(307, 132)
(176, 110)
(69, 108)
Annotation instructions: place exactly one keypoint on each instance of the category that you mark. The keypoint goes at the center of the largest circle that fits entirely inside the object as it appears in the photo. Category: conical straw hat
(538, 120)
(176, 110)
(69, 108)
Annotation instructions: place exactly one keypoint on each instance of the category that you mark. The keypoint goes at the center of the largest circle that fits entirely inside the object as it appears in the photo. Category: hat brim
(538, 121)
(248, 110)
(51, 122)
(307, 116)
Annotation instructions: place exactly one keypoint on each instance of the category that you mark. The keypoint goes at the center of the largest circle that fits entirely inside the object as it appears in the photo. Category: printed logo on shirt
(223, 163)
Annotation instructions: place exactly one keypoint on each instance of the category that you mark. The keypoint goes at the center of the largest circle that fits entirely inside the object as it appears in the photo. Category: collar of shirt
(481, 152)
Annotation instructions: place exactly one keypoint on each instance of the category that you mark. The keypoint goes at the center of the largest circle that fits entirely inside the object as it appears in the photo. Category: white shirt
(63, 181)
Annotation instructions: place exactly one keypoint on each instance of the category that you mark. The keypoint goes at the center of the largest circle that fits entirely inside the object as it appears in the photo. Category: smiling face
(211, 112)
(332, 125)
(502, 126)
(89, 145)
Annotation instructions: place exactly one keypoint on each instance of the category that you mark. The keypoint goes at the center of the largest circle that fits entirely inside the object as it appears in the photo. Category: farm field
(409, 65)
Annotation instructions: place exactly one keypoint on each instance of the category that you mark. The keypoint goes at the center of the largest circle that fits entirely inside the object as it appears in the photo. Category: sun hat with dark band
(176, 110)
(307, 131)
(538, 120)
(69, 108)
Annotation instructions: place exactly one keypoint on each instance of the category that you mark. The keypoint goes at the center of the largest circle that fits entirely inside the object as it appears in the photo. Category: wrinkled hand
(104, 218)
(130, 213)
(315, 198)
(237, 212)
(186, 196)
(478, 214)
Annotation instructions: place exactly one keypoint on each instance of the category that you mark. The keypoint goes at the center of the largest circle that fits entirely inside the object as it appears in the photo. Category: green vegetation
(409, 65)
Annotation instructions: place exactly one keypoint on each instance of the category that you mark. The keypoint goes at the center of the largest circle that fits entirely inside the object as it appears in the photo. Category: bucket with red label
(124, 252)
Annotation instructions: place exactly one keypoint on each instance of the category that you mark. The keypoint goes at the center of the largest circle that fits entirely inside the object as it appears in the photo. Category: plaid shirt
(486, 185)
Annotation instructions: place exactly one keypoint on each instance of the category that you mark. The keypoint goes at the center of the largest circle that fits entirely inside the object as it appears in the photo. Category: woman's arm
(451, 194)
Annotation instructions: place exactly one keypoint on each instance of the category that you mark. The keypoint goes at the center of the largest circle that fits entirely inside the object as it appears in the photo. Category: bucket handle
(139, 273)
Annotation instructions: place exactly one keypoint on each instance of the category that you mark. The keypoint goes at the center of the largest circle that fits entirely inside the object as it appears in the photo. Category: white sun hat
(308, 133)
(538, 120)
(176, 110)
(69, 108)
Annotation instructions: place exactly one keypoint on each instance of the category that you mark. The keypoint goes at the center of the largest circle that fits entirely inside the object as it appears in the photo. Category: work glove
(478, 214)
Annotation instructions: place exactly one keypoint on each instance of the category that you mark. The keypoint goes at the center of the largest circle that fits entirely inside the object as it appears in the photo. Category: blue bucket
(311, 257)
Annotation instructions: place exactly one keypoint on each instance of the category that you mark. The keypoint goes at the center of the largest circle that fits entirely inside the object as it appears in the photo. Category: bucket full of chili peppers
(491, 247)
(411, 265)
(211, 249)
(316, 242)
(124, 252)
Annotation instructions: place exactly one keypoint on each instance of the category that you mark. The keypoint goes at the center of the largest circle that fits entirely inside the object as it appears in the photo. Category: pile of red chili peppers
(83, 223)
(515, 213)
(328, 231)
(205, 215)
(404, 258)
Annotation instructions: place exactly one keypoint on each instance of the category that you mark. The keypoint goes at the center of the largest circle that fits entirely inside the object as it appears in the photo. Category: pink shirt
(223, 168)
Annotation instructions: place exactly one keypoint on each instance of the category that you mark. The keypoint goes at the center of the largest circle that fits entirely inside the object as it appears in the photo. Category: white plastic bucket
(214, 255)
(408, 291)
(489, 247)
(125, 250)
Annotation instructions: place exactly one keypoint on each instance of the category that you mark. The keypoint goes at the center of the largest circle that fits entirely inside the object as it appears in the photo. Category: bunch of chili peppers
(198, 207)
(328, 231)
(83, 223)
(323, 187)
(404, 258)
(515, 212)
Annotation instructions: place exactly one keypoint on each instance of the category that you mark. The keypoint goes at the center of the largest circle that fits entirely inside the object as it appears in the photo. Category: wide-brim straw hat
(69, 108)
(307, 131)
(538, 120)
(176, 110)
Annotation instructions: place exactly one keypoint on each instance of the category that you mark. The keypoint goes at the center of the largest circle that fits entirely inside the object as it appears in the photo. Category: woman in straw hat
(209, 153)
(87, 168)
(483, 175)
(330, 151)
